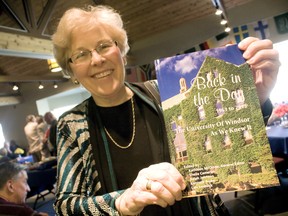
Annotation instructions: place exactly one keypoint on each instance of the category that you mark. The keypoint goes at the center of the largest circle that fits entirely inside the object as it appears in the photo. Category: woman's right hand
(159, 184)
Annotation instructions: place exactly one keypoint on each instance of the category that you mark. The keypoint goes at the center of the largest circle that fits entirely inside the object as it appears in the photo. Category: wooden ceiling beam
(20, 19)
(25, 46)
(26, 19)
(22, 79)
(46, 16)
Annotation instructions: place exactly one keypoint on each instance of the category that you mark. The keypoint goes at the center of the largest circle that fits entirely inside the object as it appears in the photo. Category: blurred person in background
(3, 155)
(51, 132)
(16, 149)
(9, 151)
(33, 138)
(42, 127)
(13, 191)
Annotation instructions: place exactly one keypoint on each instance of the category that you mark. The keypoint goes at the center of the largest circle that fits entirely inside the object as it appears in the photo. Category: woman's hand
(264, 62)
(160, 184)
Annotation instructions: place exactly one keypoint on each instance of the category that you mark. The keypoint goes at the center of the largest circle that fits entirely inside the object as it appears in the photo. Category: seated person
(10, 153)
(13, 190)
(16, 149)
(3, 155)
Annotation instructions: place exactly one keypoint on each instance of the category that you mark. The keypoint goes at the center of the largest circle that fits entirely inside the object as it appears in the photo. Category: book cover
(216, 132)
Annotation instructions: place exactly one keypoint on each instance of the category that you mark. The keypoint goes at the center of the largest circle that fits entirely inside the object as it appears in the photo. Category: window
(61, 102)
(279, 93)
(2, 138)
(58, 111)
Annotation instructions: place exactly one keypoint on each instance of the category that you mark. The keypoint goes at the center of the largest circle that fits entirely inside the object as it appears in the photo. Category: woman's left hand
(264, 62)
(159, 184)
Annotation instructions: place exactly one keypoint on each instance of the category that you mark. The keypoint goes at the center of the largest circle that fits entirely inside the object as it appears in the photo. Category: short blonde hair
(89, 17)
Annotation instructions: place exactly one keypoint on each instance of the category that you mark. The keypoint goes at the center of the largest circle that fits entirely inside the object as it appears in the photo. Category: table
(26, 159)
(278, 138)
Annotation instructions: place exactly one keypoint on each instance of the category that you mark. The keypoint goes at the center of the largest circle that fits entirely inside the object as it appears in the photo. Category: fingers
(159, 172)
(269, 68)
(167, 175)
(252, 46)
(148, 185)
(132, 201)
(264, 55)
(155, 192)
(257, 51)
(165, 181)
(159, 184)
(167, 187)
(261, 55)
(164, 194)
(243, 45)
(264, 62)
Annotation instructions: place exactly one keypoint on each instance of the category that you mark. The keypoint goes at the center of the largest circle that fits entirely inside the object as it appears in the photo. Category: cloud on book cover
(185, 65)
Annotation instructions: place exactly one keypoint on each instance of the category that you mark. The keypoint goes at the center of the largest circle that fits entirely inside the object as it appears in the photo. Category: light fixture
(40, 86)
(221, 12)
(217, 4)
(53, 66)
(227, 29)
(218, 12)
(223, 20)
(15, 87)
(55, 85)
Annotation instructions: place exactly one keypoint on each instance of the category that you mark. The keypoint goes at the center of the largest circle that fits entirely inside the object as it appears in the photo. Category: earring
(75, 81)
(125, 61)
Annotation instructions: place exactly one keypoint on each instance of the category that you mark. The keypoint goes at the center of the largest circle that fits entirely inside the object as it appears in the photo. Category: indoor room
(163, 36)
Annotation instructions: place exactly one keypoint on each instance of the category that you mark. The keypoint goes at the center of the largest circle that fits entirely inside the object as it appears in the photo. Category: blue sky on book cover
(188, 65)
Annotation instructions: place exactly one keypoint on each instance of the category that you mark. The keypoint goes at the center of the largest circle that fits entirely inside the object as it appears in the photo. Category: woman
(113, 155)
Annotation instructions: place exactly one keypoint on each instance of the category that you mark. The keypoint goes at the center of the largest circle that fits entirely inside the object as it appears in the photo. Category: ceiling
(35, 20)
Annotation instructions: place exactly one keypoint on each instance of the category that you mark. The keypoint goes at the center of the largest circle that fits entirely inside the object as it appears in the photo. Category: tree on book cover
(214, 122)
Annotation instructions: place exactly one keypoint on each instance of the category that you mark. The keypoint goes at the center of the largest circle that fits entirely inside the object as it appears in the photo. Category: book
(217, 137)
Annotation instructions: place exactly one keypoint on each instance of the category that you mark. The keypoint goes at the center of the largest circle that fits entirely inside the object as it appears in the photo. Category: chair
(40, 181)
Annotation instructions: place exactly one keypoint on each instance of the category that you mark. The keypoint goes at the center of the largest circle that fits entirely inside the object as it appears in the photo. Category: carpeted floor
(45, 205)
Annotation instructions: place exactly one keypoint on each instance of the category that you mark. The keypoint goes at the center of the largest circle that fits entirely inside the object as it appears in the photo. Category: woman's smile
(102, 74)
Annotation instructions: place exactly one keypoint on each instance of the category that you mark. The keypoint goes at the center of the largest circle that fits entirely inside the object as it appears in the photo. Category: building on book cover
(214, 122)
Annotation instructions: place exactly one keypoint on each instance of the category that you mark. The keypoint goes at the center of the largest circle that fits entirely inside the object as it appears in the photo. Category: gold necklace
(133, 133)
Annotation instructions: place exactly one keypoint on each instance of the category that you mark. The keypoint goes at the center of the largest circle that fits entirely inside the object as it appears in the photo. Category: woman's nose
(96, 58)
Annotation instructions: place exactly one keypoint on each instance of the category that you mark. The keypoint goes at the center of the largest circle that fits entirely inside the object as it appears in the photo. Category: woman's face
(102, 71)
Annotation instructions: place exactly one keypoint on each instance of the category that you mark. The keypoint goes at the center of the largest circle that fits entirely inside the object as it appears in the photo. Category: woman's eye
(103, 47)
(81, 54)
